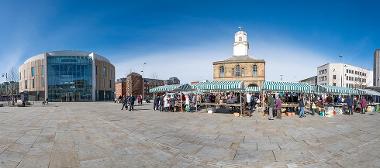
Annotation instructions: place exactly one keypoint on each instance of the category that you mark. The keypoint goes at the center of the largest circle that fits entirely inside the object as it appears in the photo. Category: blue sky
(183, 38)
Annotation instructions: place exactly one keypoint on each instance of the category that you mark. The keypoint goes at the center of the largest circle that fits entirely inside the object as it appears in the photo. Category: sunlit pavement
(99, 134)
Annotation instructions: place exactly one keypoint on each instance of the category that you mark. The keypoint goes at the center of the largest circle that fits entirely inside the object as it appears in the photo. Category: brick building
(240, 66)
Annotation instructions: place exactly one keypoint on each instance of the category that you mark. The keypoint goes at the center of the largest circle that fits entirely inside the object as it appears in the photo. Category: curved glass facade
(69, 78)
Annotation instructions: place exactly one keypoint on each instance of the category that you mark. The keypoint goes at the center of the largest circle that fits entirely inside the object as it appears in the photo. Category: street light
(143, 85)
(341, 75)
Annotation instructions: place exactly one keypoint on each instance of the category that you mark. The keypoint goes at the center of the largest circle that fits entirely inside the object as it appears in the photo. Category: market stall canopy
(336, 90)
(184, 88)
(164, 88)
(252, 89)
(220, 86)
(369, 92)
(287, 87)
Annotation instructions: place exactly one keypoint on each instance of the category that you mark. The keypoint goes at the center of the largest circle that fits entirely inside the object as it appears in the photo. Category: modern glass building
(68, 76)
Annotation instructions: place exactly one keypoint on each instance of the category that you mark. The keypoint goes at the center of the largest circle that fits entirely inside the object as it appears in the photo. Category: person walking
(161, 103)
(301, 103)
(166, 103)
(363, 105)
(278, 107)
(348, 101)
(155, 103)
(249, 100)
(271, 106)
(132, 100)
(124, 103)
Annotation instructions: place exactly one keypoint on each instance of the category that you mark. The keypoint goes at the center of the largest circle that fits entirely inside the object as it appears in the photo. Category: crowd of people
(175, 102)
(273, 103)
(314, 104)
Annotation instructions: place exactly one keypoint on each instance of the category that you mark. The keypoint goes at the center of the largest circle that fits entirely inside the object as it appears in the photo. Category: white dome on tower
(241, 44)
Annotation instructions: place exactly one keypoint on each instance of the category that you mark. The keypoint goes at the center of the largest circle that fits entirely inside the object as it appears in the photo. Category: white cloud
(195, 63)
(9, 60)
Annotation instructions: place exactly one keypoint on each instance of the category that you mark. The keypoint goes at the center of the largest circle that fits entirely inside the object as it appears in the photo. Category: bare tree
(154, 76)
(12, 91)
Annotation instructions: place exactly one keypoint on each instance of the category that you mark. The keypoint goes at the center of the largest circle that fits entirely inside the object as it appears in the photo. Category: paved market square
(99, 134)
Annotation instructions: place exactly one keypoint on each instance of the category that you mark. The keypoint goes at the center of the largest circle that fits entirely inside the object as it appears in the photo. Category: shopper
(301, 103)
(348, 101)
(132, 100)
(363, 105)
(271, 106)
(124, 103)
(278, 107)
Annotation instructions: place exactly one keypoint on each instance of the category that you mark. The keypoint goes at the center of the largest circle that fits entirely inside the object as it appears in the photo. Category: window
(104, 71)
(237, 71)
(334, 84)
(26, 84)
(42, 82)
(346, 70)
(254, 70)
(242, 72)
(334, 76)
(110, 83)
(240, 39)
(42, 70)
(32, 83)
(20, 76)
(346, 77)
(96, 70)
(32, 71)
(221, 71)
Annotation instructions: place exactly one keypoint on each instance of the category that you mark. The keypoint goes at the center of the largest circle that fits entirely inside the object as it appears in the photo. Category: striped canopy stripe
(220, 86)
(252, 89)
(337, 90)
(287, 87)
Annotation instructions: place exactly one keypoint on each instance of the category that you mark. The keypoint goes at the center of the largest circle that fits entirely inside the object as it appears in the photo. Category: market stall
(289, 91)
(222, 87)
(373, 98)
(334, 103)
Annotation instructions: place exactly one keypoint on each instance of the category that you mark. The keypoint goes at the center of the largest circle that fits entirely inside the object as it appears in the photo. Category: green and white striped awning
(337, 90)
(164, 88)
(287, 87)
(184, 88)
(220, 86)
(252, 89)
(369, 92)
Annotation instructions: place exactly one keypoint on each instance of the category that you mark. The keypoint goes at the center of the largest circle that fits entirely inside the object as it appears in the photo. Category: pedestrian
(172, 103)
(271, 106)
(348, 101)
(301, 103)
(132, 100)
(249, 96)
(155, 102)
(252, 104)
(187, 103)
(166, 103)
(124, 103)
(278, 107)
(363, 105)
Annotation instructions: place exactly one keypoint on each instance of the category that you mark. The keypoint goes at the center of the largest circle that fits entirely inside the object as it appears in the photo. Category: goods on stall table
(338, 111)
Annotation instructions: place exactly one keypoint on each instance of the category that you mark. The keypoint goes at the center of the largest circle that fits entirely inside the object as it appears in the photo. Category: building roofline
(67, 53)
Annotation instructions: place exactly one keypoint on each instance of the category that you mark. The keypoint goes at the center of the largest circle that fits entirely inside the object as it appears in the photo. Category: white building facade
(344, 75)
(376, 68)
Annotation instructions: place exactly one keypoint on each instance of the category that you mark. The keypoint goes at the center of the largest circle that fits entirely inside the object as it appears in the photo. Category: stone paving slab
(101, 135)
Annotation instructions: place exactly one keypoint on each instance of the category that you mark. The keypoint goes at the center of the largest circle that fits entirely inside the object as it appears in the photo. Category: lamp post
(341, 75)
(143, 84)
